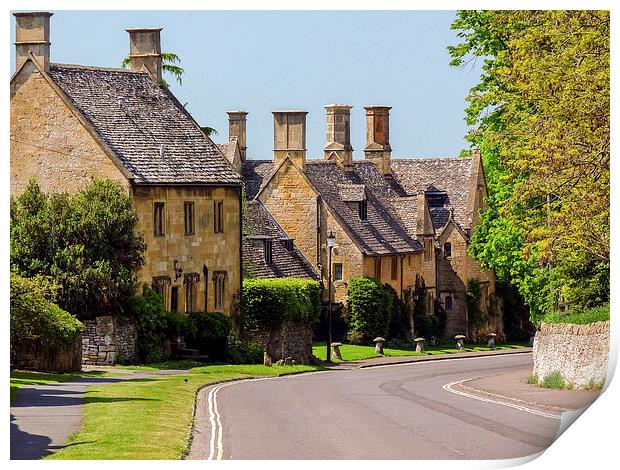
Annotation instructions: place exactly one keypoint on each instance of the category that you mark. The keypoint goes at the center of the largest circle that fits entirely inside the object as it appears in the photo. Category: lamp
(331, 238)
(178, 271)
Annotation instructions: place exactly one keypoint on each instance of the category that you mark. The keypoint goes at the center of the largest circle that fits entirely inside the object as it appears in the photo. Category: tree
(84, 242)
(169, 61)
(543, 126)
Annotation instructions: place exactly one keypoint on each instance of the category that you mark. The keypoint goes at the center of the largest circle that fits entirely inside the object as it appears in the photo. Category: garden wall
(579, 352)
(109, 340)
(292, 339)
(31, 355)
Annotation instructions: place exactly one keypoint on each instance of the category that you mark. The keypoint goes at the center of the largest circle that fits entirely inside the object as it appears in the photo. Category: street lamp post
(330, 244)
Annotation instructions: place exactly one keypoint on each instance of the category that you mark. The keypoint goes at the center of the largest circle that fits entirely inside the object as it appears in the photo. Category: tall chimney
(236, 128)
(378, 149)
(32, 34)
(145, 50)
(289, 137)
(338, 142)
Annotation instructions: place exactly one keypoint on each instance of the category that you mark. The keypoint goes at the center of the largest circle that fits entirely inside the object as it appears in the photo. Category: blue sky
(267, 60)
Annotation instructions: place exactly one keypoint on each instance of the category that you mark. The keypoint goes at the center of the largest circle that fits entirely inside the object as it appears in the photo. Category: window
(189, 218)
(218, 216)
(267, 251)
(174, 299)
(160, 286)
(362, 210)
(190, 282)
(394, 268)
(436, 198)
(337, 271)
(428, 250)
(378, 268)
(447, 249)
(219, 278)
(448, 303)
(484, 296)
(158, 219)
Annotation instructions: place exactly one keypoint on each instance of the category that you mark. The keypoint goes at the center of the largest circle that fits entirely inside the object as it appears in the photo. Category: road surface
(391, 412)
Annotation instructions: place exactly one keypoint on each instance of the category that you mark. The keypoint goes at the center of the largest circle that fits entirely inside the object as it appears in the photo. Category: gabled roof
(260, 225)
(451, 175)
(384, 232)
(153, 136)
(254, 173)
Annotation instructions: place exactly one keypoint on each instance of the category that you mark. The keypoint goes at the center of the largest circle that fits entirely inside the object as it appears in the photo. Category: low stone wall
(293, 339)
(109, 340)
(31, 355)
(579, 352)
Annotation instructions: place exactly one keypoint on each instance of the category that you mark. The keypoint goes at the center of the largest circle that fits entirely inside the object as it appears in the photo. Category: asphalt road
(391, 412)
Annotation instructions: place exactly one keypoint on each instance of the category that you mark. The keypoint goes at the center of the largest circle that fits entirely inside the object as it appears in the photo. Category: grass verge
(19, 378)
(351, 352)
(579, 317)
(149, 418)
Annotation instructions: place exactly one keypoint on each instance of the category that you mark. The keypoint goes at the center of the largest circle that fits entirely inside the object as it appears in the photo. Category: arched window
(448, 303)
(447, 249)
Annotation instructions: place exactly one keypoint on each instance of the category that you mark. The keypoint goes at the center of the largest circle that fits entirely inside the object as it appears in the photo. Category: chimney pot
(378, 149)
(32, 35)
(145, 50)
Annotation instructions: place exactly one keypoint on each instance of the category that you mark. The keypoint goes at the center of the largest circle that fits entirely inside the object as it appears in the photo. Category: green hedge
(368, 309)
(34, 315)
(268, 303)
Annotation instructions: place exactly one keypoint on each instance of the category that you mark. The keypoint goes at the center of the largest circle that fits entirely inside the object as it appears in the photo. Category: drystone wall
(31, 355)
(579, 352)
(292, 339)
(109, 340)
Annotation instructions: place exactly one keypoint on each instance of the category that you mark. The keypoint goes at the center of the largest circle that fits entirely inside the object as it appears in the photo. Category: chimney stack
(145, 50)
(289, 137)
(338, 145)
(236, 128)
(378, 149)
(32, 34)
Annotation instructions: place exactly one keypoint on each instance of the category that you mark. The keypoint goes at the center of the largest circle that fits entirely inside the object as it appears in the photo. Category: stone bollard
(419, 345)
(491, 340)
(379, 345)
(336, 348)
(266, 359)
(280, 362)
(288, 361)
(460, 341)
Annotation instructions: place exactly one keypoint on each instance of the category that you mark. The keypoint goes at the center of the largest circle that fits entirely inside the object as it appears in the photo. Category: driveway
(410, 411)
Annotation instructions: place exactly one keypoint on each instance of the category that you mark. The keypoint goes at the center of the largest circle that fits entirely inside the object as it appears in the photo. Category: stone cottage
(394, 219)
(72, 123)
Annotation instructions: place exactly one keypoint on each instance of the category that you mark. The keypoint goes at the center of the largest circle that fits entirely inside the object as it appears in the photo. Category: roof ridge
(418, 159)
(98, 68)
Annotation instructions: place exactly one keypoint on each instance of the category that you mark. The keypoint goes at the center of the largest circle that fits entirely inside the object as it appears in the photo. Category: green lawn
(149, 418)
(353, 353)
(580, 317)
(19, 378)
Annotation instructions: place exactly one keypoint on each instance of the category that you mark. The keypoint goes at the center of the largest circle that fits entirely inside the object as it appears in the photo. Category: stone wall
(579, 352)
(30, 355)
(292, 339)
(109, 340)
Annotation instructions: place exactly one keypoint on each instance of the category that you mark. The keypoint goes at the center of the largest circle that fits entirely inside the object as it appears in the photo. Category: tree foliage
(368, 309)
(169, 65)
(84, 242)
(542, 113)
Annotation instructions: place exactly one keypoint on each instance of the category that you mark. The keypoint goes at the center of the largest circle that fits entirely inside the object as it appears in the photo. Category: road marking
(448, 388)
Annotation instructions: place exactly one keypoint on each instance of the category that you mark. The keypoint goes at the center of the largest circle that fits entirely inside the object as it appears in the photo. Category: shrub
(579, 316)
(554, 380)
(153, 326)
(268, 303)
(480, 335)
(209, 332)
(369, 308)
(244, 352)
(34, 315)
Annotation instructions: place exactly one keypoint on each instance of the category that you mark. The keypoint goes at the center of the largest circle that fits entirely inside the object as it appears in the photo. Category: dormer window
(362, 210)
(267, 251)
(436, 198)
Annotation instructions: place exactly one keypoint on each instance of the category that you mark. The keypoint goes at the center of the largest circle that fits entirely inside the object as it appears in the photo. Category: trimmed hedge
(368, 310)
(34, 315)
(268, 303)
